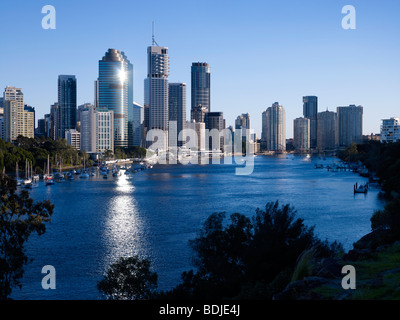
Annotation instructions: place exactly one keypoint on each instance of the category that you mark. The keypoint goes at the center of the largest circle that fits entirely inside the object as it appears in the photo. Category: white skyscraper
(156, 88)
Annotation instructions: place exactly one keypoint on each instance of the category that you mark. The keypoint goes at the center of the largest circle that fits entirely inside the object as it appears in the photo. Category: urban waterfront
(155, 212)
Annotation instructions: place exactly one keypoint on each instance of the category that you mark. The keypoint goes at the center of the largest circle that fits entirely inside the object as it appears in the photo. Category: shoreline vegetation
(270, 256)
(62, 155)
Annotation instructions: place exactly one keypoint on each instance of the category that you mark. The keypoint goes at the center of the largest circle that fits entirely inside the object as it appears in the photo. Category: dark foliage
(19, 217)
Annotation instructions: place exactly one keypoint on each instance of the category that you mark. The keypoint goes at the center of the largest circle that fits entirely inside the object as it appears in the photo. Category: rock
(329, 268)
(302, 289)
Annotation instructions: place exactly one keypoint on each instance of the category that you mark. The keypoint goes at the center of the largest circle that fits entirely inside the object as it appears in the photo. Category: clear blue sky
(259, 51)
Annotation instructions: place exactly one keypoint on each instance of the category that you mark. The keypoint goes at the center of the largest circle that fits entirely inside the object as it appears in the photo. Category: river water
(155, 212)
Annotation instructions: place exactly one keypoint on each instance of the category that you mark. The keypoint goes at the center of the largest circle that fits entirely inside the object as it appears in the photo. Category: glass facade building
(115, 93)
(310, 111)
(177, 110)
(200, 86)
(66, 103)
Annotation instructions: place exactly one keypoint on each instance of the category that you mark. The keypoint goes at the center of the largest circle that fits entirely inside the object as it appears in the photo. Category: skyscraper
(215, 120)
(327, 131)
(54, 121)
(138, 125)
(275, 128)
(310, 111)
(66, 103)
(115, 92)
(19, 119)
(156, 89)
(350, 125)
(177, 110)
(87, 120)
(200, 88)
(301, 134)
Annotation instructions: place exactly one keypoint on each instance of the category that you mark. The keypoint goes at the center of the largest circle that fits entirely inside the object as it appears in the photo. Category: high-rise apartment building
(301, 135)
(350, 125)
(29, 122)
(73, 138)
(177, 112)
(310, 111)
(327, 131)
(18, 119)
(274, 128)
(156, 89)
(67, 103)
(104, 130)
(115, 92)
(390, 130)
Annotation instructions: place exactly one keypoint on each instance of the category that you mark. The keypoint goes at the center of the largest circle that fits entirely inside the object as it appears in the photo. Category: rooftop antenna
(153, 38)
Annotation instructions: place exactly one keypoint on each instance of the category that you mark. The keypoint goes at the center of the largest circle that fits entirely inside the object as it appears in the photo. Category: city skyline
(341, 67)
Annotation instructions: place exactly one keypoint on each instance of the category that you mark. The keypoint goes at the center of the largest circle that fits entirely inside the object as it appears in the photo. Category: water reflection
(124, 231)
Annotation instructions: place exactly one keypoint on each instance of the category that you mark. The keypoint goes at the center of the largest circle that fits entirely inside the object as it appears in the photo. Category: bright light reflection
(123, 229)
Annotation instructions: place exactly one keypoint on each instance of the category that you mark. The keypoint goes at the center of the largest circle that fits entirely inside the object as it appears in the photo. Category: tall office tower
(67, 103)
(29, 122)
(115, 92)
(138, 125)
(215, 120)
(301, 134)
(87, 119)
(327, 131)
(275, 128)
(54, 121)
(310, 111)
(390, 130)
(104, 130)
(177, 111)
(350, 125)
(200, 89)
(156, 89)
(13, 103)
(41, 128)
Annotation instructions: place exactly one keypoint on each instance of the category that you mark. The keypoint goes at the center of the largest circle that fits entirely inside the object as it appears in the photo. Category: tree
(19, 217)
(247, 258)
(129, 279)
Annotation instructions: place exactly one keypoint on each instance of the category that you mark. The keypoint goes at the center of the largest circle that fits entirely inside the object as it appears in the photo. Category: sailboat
(49, 178)
(84, 174)
(17, 178)
(34, 178)
(27, 181)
